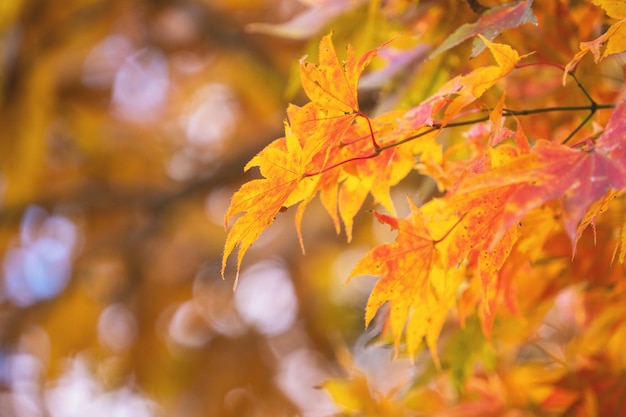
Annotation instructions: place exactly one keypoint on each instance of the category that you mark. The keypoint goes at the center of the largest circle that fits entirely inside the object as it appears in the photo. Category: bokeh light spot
(117, 327)
(141, 85)
(213, 300)
(104, 61)
(78, 393)
(40, 266)
(266, 299)
(211, 116)
(187, 328)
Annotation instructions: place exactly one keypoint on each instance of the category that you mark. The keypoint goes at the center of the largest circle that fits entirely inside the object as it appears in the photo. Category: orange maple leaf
(467, 88)
(482, 209)
(291, 166)
(473, 238)
(414, 280)
(421, 275)
(331, 84)
(375, 170)
(261, 199)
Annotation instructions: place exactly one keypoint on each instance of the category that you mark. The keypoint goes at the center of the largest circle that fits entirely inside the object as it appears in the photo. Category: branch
(435, 127)
(593, 106)
(505, 113)
(476, 6)
(592, 110)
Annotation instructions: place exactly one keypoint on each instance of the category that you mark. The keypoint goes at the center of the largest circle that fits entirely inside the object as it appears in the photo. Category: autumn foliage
(526, 144)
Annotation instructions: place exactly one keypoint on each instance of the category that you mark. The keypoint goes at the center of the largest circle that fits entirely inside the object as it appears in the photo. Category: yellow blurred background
(124, 129)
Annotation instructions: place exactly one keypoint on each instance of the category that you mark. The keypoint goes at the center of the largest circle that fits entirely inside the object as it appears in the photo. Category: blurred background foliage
(124, 129)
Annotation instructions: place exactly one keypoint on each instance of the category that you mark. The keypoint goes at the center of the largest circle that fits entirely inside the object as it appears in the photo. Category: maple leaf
(481, 208)
(360, 168)
(493, 22)
(552, 171)
(467, 88)
(472, 238)
(331, 84)
(375, 171)
(612, 42)
(614, 8)
(621, 244)
(413, 280)
(261, 199)
(286, 165)
(291, 166)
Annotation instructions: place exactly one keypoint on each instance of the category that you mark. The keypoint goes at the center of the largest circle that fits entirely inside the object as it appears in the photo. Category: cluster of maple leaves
(505, 199)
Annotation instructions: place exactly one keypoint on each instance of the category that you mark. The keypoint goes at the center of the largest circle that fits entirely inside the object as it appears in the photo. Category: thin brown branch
(476, 6)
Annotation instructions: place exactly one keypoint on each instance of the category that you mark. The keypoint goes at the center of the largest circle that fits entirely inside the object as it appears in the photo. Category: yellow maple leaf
(332, 84)
(260, 200)
(614, 8)
(470, 87)
(612, 42)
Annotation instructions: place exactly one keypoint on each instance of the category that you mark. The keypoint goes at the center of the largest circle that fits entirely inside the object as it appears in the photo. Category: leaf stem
(450, 229)
(328, 168)
(369, 124)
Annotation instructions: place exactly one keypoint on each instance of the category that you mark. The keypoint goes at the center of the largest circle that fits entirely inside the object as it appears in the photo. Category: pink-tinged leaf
(552, 171)
(396, 61)
(404, 272)
(308, 23)
(490, 24)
